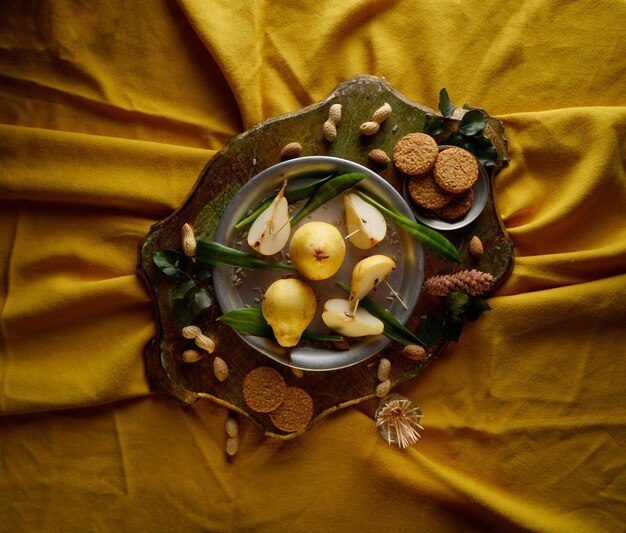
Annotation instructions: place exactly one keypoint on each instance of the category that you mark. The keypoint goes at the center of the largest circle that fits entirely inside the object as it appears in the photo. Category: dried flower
(472, 282)
(398, 421)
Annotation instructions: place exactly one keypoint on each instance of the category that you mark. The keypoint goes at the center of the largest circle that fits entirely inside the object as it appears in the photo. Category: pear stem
(396, 294)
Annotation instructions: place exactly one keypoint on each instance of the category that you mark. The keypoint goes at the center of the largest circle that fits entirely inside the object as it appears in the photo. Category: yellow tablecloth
(108, 113)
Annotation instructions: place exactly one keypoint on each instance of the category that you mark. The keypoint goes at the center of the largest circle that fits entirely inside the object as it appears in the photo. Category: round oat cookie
(415, 153)
(295, 412)
(456, 170)
(458, 206)
(264, 389)
(426, 193)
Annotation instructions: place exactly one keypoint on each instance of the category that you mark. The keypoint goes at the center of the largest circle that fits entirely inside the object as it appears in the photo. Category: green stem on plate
(394, 329)
(214, 253)
(427, 236)
(292, 195)
(327, 191)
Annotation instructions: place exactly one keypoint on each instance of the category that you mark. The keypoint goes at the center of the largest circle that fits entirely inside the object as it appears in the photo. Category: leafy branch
(468, 133)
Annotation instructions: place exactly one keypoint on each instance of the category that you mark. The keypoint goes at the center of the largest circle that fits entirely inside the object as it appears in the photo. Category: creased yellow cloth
(109, 112)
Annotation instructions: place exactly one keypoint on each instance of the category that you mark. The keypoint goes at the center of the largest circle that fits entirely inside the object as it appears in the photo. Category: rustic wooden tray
(240, 160)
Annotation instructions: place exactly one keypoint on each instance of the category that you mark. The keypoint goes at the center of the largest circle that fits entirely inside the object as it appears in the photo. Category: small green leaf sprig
(469, 133)
(193, 290)
(459, 308)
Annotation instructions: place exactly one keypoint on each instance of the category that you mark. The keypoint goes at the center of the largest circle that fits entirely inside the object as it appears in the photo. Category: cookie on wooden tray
(295, 412)
(426, 193)
(458, 207)
(415, 153)
(456, 170)
(264, 389)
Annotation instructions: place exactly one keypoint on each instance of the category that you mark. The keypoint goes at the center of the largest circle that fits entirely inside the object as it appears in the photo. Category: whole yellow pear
(289, 306)
(317, 250)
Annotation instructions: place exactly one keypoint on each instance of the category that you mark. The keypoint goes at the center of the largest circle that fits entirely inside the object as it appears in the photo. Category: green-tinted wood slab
(240, 160)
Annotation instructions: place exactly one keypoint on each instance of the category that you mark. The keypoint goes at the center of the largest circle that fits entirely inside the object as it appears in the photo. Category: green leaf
(477, 306)
(292, 195)
(168, 261)
(214, 253)
(472, 122)
(452, 328)
(454, 139)
(326, 192)
(201, 271)
(445, 105)
(429, 330)
(248, 321)
(434, 126)
(182, 288)
(483, 149)
(203, 298)
(456, 303)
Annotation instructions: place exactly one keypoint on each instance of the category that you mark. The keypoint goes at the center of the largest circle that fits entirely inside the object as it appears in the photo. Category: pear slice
(270, 232)
(366, 225)
(338, 316)
(368, 274)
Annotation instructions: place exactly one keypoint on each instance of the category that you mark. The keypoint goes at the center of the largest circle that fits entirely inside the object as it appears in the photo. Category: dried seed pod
(293, 149)
(220, 369)
(193, 356)
(369, 128)
(476, 247)
(232, 445)
(472, 282)
(188, 240)
(414, 351)
(383, 388)
(232, 427)
(205, 343)
(382, 113)
(379, 156)
(191, 332)
(384, 366)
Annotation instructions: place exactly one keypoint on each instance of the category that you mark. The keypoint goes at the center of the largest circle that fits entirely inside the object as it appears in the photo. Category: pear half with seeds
(338, 316)
(368, 273)
(366, 225)
(270, 232)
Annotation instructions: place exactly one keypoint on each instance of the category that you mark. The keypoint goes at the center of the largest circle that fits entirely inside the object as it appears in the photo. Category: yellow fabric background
(109, 112)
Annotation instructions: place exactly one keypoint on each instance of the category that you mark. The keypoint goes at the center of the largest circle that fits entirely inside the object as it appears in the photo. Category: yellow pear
(368, 274)
(338, 316)
(317, 250)
(289, 306)
(365, 224)
(269, 233)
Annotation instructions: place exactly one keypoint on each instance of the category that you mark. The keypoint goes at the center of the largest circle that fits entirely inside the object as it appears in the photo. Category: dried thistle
(472, 282)
(398, 421)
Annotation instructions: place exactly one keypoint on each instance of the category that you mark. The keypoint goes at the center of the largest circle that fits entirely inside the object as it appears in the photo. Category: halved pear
(365, 224)
(270, 232)
(338, 316)
(368, 274)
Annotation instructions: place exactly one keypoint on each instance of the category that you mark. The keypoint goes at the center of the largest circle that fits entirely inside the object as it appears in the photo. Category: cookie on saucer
(415, 153)
(426, 193)
(456, 170)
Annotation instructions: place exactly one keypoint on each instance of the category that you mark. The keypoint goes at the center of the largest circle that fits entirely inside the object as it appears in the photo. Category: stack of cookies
(440, 181)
